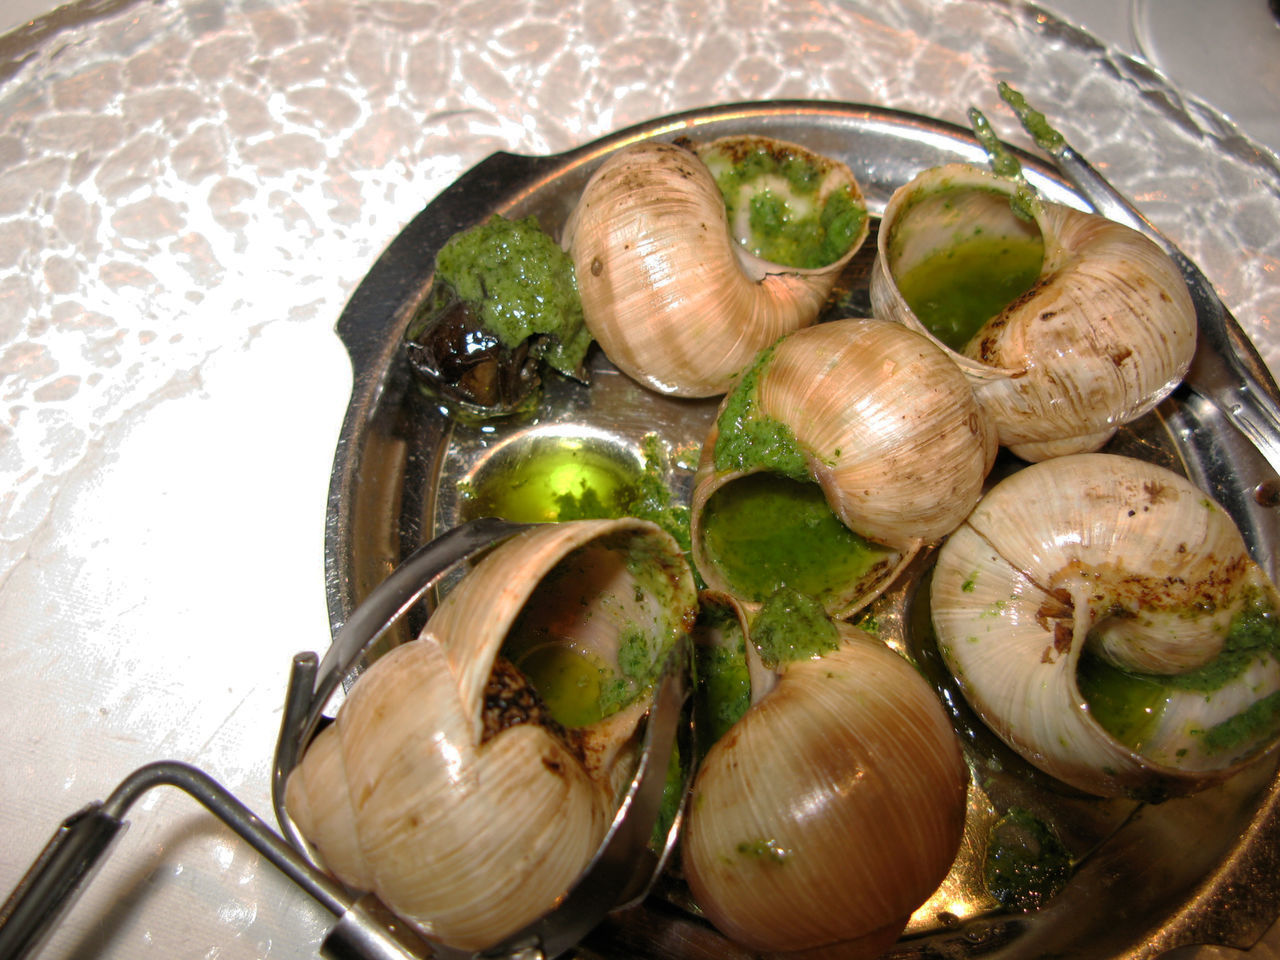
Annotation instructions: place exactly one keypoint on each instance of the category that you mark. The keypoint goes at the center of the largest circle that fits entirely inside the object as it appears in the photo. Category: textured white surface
(190, 190)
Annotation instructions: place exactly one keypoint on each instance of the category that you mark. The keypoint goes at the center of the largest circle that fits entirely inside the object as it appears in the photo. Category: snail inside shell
(1067, 323)
(502, 303)
(471, 773)
(832, 802)
(1102, 615)
(691, 258)
(844, 448)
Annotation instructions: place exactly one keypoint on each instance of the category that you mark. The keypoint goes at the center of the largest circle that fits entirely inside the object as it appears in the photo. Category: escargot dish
(692, 258)
(844, 448)
(1067, 323)
(1102, 615)
(471, 773)
(832, 803)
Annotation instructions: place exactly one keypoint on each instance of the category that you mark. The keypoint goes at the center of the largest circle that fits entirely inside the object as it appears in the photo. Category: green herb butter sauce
(1025, 863)
(569, 681)
(1033, 121)
(959, 288)
(554, 479)
(767, 532)
(1130, 705)
(637, 669)
(720, 665)
(1024, 202)
(773, 529)
(747, 440)
(653, 501)
(632, 584)
(524, 285)
(778, 206)
(792, 626)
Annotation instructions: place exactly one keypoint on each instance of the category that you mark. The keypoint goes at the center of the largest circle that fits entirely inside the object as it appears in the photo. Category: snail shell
(668, 288)
(1104, 333)
(881, 420)
(442, 786)
(1106, 563)
(832, 809)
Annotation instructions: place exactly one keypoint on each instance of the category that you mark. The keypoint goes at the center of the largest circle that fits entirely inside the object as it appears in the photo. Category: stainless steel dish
(1204, 869)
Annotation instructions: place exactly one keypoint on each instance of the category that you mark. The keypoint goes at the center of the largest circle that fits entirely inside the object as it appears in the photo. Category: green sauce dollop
(792, 626)
(1033, 121)
(524, 285)
(652, 499)
(779, 191)
(746, 439)
(1025, 864)
(1025, 202)
(765, 532)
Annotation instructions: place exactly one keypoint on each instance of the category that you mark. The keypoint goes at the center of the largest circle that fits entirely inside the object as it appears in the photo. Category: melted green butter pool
(568, 680)
(1126, 705)
(766, 532)
(959, 288)
(554, 480)
(1129, 705)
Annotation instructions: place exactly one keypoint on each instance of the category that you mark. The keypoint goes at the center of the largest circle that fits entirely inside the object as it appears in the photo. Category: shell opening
(785, 204)
(595, 634)
(959, 257)
(764, 532)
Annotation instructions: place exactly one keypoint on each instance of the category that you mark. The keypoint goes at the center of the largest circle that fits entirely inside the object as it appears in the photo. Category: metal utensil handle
(55, 880)
(79, 846)
(1227, 370)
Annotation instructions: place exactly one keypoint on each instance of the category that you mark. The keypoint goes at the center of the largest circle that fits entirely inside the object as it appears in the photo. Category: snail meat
(503, 301)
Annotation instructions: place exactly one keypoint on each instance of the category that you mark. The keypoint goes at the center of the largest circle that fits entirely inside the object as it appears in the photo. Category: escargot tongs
(619, 875)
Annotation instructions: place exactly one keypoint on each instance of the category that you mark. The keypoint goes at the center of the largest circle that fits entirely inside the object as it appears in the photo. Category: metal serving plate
(1204, 869)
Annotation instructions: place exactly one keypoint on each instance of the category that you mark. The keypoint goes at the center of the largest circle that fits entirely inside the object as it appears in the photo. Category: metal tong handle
(80, 845)
(1226, 369)
(77, 849)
